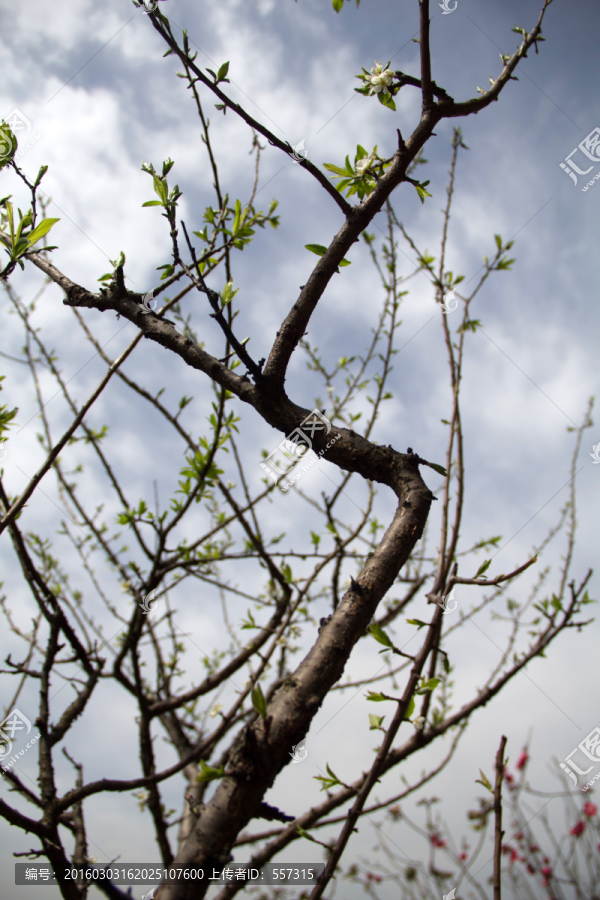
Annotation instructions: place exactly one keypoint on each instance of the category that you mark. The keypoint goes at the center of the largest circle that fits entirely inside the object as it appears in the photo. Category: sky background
(90, 79)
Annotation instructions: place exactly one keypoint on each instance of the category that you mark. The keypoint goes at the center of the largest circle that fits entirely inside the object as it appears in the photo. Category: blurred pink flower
(522, 760)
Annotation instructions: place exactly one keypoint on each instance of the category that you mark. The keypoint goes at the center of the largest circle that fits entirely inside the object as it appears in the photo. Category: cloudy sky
(96, 98)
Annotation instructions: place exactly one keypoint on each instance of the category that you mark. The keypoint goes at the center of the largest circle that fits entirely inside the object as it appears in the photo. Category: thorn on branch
(356, 587)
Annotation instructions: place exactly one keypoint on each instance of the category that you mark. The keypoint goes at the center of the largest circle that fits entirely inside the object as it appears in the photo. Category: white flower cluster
(380, 79)
(365, 163)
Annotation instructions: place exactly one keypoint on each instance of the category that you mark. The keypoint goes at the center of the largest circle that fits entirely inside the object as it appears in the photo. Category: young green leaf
(305, 834)
(388, 100)
(420, 188)
(428, 686)
(249, 622)
(439, 469)
(40, 230)
(320, 250)
(330, 782)
(222, 73)
(258, 701)
(377, 697)
(209, 773)
(379, 634)
(483, 568)
(484, 781)
(375, 722)
(418, 622)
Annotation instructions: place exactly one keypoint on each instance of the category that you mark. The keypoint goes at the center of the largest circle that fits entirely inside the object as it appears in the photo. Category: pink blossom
(522, 760)
(590, 809)
(577, 829)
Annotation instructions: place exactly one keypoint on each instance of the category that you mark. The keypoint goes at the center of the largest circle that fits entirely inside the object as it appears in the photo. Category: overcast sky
(96, 98)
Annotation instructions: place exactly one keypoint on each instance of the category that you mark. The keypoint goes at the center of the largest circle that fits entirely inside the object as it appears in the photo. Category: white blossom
(365, 163)
(380, 78)
(216, 709)
(419, 722)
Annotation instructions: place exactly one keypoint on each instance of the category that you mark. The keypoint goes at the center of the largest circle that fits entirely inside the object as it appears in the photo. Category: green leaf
(420, 188)
(379, 634)
(377, 697)
(305, 834)
(42, 229)
(161, 189)
(437, 468)
(228, 294)
(258, 701)
(428, 686)
(330, 782)
(410, 709)
(337, 5)
(418, 622)
(483, 568)
(249, 622)
(470, 325)
(40, 175)
(209, 773)
(484, 781)
(336, 169)
(152, 203)
(388, 100)
(375, 722)
(320, 250)
(223, 70)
